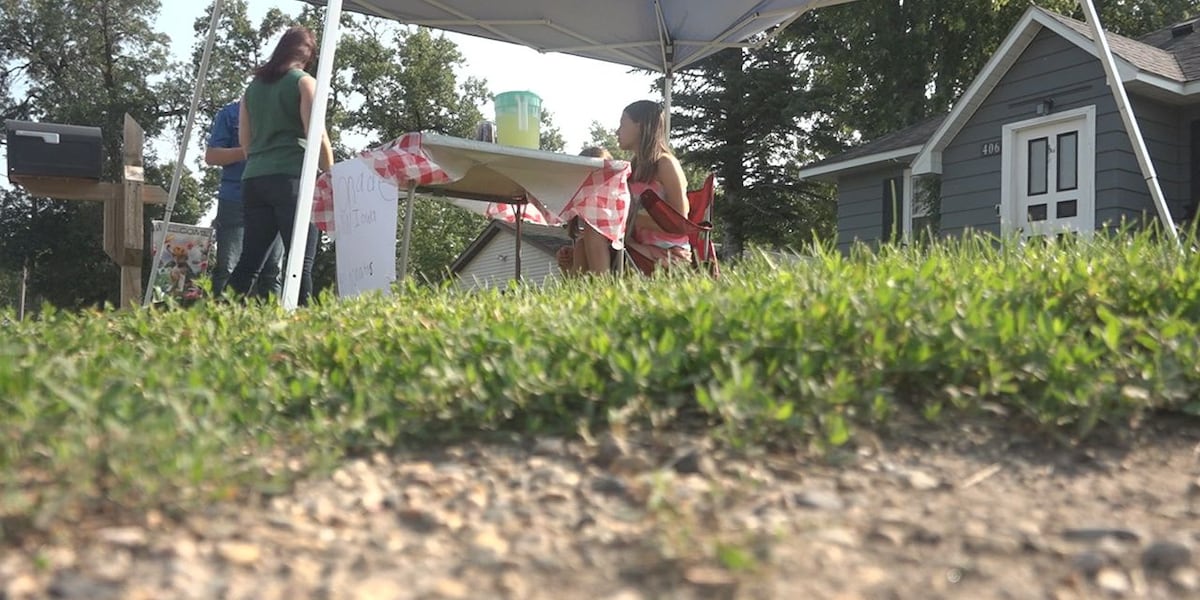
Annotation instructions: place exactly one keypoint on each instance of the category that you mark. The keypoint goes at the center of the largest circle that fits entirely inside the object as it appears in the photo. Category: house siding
(493, 265)
(1192, 163)
(860, 205)
(1052, 67)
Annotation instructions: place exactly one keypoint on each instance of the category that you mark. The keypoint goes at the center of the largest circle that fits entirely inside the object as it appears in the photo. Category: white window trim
(1087, 166)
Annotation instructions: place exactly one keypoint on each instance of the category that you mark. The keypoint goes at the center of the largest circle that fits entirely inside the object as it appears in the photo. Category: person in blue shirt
(224, 151)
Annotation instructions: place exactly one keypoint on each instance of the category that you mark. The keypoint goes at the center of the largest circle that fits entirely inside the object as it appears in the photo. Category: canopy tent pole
(668, 83)
(312, 150)
(1131, 125)
(407, 235)
(667, 48)
(517, 252)
(177, 173)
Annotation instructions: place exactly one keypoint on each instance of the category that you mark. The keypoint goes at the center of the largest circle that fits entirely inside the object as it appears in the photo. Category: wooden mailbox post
(123, 229)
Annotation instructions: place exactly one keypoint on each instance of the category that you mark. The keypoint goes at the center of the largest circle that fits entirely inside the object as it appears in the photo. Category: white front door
(1050, 166)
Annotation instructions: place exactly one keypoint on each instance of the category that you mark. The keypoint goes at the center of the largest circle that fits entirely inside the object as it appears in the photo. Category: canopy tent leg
(201, 79)
(517, 252)
(312, 150)
(408, 218)
(668, 83)
(1131, 125)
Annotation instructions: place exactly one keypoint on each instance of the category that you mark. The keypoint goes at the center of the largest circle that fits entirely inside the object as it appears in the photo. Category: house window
(1039, 165)
(924, 206)
(893, 203)
(1068, 161)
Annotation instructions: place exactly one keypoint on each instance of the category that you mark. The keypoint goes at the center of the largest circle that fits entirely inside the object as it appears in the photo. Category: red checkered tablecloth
(400, 161)
(602, 199)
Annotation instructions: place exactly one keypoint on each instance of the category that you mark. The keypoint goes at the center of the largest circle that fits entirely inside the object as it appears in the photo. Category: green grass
(117, 410)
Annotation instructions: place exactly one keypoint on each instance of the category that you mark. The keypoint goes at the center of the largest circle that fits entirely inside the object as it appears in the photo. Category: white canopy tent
(660, 35)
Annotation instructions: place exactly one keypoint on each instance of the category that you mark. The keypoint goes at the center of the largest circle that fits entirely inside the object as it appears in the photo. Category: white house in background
(490, 260)
(1035, 146)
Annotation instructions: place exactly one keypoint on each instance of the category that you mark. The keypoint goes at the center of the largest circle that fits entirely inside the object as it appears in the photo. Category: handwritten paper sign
(364, 212)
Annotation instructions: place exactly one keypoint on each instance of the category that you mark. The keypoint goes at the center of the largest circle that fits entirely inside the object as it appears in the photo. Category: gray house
(490, 261)
(1036, 145)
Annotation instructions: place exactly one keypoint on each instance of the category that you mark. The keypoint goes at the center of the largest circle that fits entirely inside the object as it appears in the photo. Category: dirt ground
(968, 511)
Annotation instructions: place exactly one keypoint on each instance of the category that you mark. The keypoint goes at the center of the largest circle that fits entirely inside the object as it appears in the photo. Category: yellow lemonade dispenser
(518, 119)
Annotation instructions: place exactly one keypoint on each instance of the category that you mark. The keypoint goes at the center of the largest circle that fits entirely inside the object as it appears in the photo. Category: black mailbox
(53, 150)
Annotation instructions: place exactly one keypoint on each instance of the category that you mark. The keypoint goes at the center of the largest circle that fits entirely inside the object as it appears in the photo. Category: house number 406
(990, 148)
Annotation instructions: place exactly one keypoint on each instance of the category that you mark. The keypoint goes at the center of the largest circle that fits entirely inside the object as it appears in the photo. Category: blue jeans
(230, 226)
(269, 210)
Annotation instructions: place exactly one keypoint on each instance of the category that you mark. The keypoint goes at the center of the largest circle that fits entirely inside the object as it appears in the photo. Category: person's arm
(308, 90)
(244, 126)
(220, 157)
(670, 175)
(222, 150)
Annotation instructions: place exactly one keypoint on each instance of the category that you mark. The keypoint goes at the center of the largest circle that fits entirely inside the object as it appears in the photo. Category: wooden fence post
(123, 228)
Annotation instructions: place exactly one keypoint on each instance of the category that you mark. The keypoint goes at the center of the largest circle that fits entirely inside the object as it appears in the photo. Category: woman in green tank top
(273, 128)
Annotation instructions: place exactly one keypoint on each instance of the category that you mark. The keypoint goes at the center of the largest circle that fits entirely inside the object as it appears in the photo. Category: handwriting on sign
(362, 272)
(358, 189)
(365, 220)
(362, 218)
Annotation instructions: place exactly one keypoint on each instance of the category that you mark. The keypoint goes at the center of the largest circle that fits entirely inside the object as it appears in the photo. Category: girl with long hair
(643, 132)
(273, 129)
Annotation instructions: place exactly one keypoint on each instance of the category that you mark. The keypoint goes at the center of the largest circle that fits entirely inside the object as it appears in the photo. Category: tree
(550, 136)
(606, 138)
(240, 47)
(441, 231)
(84, 62)
(740, 114)
(406, 80)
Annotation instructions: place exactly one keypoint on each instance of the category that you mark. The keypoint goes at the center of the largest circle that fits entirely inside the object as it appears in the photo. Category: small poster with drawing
(188, 252)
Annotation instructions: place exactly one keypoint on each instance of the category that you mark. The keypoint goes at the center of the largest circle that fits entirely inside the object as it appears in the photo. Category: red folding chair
(697, 225)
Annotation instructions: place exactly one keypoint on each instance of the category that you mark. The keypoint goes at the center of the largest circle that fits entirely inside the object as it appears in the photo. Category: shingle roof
(549, 239)
(914, 135)
(1158, 52)
(1185, 47)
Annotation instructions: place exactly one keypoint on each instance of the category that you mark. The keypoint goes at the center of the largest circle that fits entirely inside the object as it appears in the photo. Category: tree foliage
(441, 231)
(240, 47)
(81, 62)
(405, 80)
(740, 114)
(606, 138)
(549, 135)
